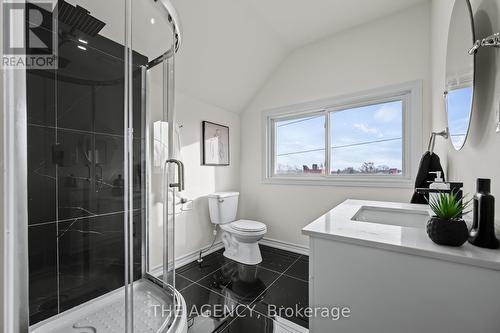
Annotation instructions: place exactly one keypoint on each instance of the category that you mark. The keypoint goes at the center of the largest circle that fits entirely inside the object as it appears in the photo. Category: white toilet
(240, 238)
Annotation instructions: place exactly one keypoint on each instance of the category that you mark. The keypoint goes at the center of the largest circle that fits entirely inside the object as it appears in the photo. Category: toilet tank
(223, 207)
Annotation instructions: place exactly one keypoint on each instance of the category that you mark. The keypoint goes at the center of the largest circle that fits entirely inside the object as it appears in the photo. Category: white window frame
(411, 95)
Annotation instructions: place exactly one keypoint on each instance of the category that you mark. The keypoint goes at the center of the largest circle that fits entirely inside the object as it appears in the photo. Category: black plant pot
(447, 232)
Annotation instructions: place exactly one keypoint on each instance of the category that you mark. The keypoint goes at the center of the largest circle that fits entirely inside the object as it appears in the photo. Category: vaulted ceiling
(230, 47)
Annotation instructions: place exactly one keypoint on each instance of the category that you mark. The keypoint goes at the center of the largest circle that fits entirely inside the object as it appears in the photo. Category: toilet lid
(248, 225)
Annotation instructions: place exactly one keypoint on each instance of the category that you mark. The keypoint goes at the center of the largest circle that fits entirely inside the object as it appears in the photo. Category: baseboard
(192, 256)
(301, 249)
(187, 258)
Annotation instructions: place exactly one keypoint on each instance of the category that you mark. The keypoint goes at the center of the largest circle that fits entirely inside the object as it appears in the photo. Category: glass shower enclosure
(98, 139)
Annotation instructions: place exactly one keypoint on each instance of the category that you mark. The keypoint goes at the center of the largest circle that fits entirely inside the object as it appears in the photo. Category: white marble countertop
(338, 225)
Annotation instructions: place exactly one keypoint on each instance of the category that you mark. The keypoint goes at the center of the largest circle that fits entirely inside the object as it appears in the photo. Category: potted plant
(447, 227)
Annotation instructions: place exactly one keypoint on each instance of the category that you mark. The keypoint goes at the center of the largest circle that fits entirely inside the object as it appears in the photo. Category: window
(368, 139)
(300, 145)
(373, 139)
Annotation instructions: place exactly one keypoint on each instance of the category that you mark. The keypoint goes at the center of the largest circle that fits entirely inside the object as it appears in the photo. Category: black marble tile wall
(42, 252)
(92, 263)
(75, 177)
(41, 175)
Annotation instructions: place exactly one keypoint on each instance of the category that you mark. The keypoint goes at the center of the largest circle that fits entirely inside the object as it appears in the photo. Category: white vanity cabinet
(393, 278)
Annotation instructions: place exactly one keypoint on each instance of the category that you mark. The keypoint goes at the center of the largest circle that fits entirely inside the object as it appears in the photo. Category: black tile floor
(224, 296)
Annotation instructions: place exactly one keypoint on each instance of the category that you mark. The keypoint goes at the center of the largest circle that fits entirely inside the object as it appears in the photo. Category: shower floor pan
(106, 314)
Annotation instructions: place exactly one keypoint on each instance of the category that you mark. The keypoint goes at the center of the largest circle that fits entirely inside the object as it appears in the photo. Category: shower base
(106, 314)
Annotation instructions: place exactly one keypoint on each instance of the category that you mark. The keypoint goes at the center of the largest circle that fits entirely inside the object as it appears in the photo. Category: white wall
(480, 156)
(193, 229)
(392, 50)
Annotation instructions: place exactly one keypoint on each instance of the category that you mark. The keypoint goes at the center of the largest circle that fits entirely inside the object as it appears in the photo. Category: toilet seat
(248, 226)
(241, 241)
(245, 228)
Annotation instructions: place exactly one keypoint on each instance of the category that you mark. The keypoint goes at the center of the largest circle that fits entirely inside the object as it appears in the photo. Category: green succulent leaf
(448, 206)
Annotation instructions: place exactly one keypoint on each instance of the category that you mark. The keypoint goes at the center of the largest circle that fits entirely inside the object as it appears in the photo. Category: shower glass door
(76, 173)
(100, 129)
(152, 36)
(159, 141)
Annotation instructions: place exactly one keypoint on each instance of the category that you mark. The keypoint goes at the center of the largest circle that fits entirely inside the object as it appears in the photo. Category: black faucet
(455, 187)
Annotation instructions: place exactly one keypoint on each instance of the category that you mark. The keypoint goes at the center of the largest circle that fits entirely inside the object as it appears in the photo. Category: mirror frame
(474, 61)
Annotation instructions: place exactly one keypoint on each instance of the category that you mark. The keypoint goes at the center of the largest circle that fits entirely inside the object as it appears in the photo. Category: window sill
(377, 182)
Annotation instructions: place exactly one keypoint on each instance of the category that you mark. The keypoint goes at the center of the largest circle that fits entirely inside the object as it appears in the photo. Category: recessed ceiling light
(152, 20)
(83, 41)
(82, 47)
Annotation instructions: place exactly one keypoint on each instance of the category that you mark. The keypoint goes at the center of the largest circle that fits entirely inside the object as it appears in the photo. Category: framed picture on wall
(215, 144)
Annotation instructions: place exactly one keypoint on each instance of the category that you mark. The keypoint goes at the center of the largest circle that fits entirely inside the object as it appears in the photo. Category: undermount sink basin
(391, 216)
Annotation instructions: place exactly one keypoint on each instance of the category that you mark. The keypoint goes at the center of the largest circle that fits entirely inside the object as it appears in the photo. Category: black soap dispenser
(482, 233)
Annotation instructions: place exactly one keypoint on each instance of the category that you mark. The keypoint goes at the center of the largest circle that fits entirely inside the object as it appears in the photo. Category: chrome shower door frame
(15, 301)
(15, 205)
(14, 240)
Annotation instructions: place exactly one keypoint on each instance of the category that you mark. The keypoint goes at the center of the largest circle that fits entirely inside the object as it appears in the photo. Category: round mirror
(460, 66)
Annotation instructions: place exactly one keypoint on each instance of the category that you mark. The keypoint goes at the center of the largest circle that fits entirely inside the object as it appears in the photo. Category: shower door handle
(180, 186)
(180, 174)
(166, 185)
